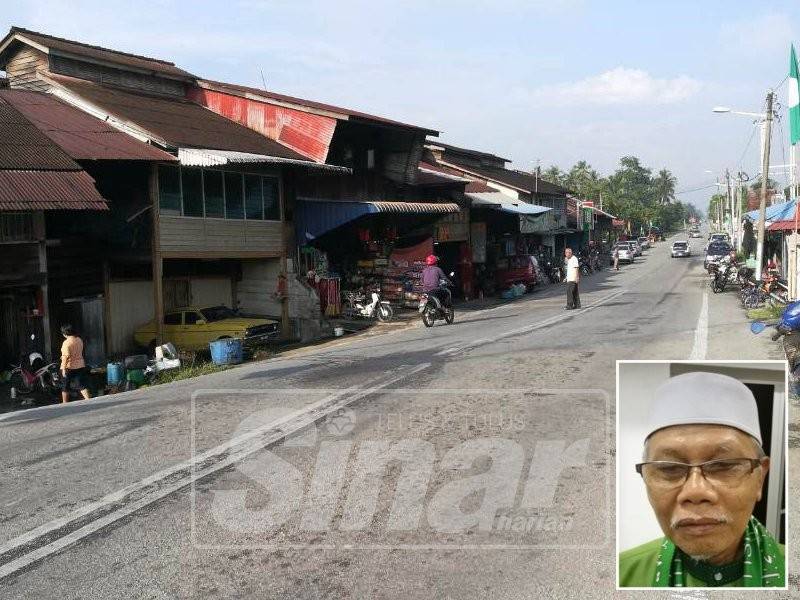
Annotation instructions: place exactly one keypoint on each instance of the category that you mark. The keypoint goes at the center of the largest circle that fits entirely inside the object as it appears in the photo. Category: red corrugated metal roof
(79, 134)
(98, 53)
(330, 108)
(476, 187)
(23, 146)
(49, 190)
(175, 122)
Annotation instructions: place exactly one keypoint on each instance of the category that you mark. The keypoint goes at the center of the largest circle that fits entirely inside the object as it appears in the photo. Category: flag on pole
(794, 100)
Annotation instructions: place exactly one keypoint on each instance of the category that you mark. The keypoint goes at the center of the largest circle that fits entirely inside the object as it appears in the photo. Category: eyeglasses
(665, 475)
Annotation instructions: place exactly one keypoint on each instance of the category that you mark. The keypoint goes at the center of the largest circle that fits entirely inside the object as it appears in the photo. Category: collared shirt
(573, 268)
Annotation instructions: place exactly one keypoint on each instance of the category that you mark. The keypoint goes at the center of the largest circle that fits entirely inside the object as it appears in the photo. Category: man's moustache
(704, 520)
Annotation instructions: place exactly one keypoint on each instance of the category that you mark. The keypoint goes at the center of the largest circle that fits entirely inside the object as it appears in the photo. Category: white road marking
(235, 449)
(700, 347)
(530, 328)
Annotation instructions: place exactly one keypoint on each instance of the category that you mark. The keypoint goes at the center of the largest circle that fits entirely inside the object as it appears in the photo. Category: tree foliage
(632, 192)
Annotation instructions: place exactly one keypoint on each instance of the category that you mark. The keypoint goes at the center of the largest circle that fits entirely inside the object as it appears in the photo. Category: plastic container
(136, 361)
(227, 352)
(114, 373)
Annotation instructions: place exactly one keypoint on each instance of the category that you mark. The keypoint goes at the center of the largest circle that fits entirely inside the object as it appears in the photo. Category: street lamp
(765, 121)
(760, 120)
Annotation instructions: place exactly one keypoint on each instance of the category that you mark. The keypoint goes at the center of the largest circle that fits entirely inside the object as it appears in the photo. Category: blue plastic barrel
(227, 352)
(114, 373)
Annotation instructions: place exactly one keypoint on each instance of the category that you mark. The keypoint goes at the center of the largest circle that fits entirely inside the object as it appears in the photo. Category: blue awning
(314, 217)
(777, 212)
(500, 201)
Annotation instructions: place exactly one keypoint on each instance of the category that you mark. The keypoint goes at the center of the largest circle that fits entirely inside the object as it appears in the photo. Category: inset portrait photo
(701, 474)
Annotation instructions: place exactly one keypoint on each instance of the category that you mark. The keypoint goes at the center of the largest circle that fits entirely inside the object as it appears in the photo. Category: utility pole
(729, 198)
(762, 208)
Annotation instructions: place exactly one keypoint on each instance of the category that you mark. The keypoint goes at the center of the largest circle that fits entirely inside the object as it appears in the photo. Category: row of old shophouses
(129, 187)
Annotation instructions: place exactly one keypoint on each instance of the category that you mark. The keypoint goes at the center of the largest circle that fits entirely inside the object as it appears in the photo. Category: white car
(644, 242)
(625, 252)
(681, 248)
(635, 246)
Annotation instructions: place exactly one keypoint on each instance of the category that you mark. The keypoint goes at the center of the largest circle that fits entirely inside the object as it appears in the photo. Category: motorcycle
(553, 273)
(29, 379)
(586, 268)
(721, 275)
(357, 306)
(788, 328)
(431, 306)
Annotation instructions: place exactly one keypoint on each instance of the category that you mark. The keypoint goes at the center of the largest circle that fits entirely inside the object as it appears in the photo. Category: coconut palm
(664, 186)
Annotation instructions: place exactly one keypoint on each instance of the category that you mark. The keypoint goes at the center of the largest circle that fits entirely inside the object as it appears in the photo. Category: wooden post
(158, 278)
(41, 235)
(284, 268)
(107, 305)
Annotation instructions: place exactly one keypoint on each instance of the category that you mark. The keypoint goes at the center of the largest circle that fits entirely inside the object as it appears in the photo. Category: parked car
(644, 242)
(514, 270)
(192, 328)
(718, 237)
(625, 252)
(714, 252)
(681, 248)
(637, 249)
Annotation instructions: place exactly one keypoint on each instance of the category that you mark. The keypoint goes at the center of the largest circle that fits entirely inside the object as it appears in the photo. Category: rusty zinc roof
(57, 45)
(49, 190)
(23, 146)
(335, 111)
(35, 173)
(172, 122)
(80, 135)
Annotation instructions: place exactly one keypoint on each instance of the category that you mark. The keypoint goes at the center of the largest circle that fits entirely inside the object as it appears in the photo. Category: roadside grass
(188, 372)
(766, 313)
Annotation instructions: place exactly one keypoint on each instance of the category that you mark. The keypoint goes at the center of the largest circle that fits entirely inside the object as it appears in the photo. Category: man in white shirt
(573, 268)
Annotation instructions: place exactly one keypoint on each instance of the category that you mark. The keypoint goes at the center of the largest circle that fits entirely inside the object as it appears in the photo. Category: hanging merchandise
(363, 235)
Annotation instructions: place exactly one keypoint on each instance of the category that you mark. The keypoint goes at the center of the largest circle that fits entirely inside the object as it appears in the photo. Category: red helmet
(431, 260)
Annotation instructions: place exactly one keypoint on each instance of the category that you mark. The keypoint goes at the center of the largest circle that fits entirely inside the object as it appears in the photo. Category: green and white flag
(794, 100)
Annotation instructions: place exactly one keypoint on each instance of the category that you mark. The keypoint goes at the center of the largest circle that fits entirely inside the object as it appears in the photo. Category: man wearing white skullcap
(703, 469)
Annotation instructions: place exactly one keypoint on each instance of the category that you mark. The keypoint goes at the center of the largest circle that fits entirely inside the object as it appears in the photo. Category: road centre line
(227, 454)
(530, 328)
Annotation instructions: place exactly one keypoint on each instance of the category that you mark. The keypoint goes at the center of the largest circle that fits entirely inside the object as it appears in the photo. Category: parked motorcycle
(357, 306)
(432, 307)
(721, 275)
(27, 379)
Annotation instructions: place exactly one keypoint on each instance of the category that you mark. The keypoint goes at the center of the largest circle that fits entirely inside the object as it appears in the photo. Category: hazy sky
(529, 80)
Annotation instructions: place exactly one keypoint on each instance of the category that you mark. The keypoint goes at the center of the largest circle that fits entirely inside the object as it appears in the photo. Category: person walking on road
(615, 256)
(573, 268)
(73, 367)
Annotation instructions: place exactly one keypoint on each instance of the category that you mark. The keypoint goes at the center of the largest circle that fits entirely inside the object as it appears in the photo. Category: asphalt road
(362, 469)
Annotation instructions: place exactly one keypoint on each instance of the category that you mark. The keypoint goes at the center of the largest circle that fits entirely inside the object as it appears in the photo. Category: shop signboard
(478, 239)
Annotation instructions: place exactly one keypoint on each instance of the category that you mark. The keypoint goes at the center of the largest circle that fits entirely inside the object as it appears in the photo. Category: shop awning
(777, 212)
(499, 201)
(313, 217)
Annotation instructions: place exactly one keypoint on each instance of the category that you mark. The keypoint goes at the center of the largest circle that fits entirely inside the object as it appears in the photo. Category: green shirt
(637, 567)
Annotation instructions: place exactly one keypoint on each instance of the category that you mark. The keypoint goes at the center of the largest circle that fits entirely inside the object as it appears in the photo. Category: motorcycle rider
(432, 278)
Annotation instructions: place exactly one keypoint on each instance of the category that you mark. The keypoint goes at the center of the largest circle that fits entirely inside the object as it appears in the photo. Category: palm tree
(664, 186)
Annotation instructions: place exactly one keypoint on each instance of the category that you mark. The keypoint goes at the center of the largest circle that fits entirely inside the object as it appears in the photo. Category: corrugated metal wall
(306, 133)
(130, 305)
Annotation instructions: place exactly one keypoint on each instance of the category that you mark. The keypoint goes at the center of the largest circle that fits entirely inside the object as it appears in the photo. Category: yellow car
(192, 328)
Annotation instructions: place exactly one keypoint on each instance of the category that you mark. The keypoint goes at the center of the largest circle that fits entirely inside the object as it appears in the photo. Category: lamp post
(765, 121)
